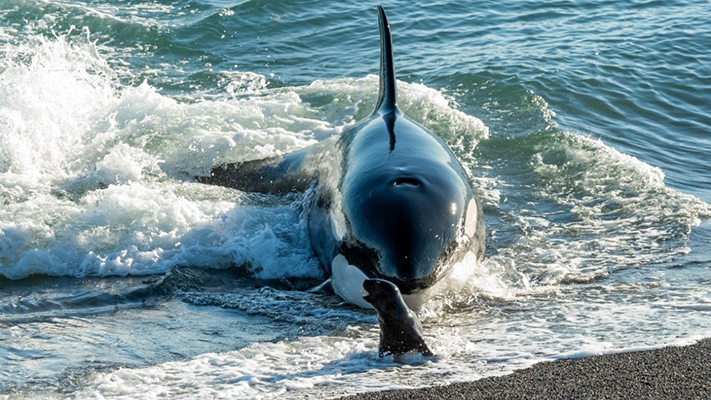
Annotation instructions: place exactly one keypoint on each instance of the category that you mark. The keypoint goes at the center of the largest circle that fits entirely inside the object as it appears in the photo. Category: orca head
(406, 218)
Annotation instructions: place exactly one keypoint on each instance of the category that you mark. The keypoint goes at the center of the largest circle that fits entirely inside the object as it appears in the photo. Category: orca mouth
(411, 286)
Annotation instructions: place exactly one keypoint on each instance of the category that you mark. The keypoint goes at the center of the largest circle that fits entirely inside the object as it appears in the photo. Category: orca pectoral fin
(273, 175)
(347, 281)
(250, 176)
(324, 288)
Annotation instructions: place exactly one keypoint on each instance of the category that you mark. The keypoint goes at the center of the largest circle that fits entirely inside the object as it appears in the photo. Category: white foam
(51, 92)
(68, 131)
(347, 362)
(266, 370)
(616, 213)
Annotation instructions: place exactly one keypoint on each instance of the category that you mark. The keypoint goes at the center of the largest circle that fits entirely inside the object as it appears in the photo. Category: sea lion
(400, 329)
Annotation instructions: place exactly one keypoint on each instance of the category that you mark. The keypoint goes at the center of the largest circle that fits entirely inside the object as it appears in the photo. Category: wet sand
(668, 373)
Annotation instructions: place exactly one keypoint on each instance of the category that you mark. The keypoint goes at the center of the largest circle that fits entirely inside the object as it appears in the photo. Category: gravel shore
(668, 373)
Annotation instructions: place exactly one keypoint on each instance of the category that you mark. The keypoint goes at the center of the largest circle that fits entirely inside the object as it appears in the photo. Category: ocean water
(586, 126)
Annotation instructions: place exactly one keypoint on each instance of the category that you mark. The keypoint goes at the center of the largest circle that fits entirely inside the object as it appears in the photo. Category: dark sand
(668, 373)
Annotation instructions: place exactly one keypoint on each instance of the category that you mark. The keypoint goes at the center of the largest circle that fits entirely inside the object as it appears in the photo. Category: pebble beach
(667, 373)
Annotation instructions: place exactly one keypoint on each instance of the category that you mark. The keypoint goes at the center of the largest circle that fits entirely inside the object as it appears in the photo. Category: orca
(389, 198)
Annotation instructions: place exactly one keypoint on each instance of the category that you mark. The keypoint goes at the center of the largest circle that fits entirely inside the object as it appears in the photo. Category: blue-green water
(586, 126)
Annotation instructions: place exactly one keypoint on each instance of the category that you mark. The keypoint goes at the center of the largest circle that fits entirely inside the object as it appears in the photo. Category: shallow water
(584, 125)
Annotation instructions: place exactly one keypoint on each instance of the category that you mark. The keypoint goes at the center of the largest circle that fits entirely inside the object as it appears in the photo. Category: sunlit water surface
(586, 127)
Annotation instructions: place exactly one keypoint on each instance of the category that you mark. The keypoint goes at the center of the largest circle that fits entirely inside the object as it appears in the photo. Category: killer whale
(389, 199)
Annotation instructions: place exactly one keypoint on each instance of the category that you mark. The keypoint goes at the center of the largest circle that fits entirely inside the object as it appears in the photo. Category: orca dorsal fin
(387, 95)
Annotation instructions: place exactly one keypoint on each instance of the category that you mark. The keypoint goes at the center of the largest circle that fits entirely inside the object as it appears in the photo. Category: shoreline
(666, 373)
